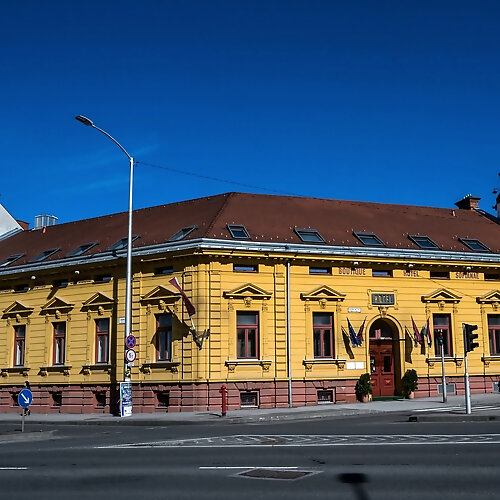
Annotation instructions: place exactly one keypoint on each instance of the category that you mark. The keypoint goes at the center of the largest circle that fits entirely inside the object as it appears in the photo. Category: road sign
(25, 398)
(130, 341)
(130, 355)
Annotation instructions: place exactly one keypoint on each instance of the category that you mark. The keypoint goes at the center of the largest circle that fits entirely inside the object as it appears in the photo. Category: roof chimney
(44, 221)
(468, 202)
(497, 205)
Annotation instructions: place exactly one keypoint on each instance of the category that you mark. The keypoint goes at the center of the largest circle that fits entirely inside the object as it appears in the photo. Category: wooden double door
(382, 367)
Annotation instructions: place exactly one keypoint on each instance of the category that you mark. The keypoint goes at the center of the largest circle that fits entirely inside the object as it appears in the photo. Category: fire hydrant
(223, 391)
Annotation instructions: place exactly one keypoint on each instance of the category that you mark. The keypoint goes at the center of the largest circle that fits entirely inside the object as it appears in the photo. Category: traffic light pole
(468, 346)
(467, 388)
(445, 394)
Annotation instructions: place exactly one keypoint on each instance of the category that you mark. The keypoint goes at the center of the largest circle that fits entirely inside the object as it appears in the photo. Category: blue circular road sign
(25, 398)
(130, 341)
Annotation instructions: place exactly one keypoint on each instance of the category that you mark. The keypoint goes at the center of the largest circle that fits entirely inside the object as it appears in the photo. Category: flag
(189, 306)
(360, 332)
(352, 335)
(416, 331)
(426, 332)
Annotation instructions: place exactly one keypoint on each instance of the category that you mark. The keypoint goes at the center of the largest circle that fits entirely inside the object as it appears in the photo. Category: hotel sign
(382, 299)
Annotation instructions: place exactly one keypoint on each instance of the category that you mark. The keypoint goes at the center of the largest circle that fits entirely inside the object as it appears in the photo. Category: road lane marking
(246, 467)
(260, 441)
(13, 468)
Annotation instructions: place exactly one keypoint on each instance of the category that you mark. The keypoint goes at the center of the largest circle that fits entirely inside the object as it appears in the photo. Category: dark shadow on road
(356, 480)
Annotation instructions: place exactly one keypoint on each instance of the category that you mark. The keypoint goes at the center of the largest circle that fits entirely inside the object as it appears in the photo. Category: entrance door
(382, 367)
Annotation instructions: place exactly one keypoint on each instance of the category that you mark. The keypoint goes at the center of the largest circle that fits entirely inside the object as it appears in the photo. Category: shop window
(325, 396)
(494, 333)
(442, 327)
(59, 342)
(163, 337)
(102, 340)
(19, 344)
(247, 334)
(323, 335)
(249, 399)
(163, 399)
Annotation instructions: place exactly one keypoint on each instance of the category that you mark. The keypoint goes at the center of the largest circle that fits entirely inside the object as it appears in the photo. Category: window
(164, 337)
(325, 396)
(182, 233)
(100, 399)
(247, 334)
(309, 235)
(11, 259)
(439, 275)
(81, 249)
(249, 399)
(491, 277)
(424, 242)
(103, 278)
(102, 340)
(323, 335)
(19, 344)
(320, 270)
(160, 271)
(382, 273)
(56, 399)
(238, 232)
(59, 342)
(494, 333)
(61, 283)
(369, 239)
(21, 288)
(242, 268)
(442, 325)
(44, 255)
(163, 399)
(474, 245)
(121, 244)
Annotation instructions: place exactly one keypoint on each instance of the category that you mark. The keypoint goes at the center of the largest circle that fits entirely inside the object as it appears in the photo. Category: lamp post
(128, 289)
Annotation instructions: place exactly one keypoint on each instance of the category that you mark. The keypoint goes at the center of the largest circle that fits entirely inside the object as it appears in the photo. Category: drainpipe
(288, 347)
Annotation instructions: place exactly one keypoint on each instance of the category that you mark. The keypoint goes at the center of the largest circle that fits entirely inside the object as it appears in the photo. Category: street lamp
(128, 289)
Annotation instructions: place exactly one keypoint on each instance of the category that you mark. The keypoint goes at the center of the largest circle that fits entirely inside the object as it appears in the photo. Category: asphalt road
(369, 457)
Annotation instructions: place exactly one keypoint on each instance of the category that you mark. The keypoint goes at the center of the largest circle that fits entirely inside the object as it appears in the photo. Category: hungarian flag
(416, 332)
(426, 332)
(189, 306)
(352, 334)
(360, 332)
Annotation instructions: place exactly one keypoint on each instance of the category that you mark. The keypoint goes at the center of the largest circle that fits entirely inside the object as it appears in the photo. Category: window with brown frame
(494, 333)
(247, 334)
(164, 337)
(323, 335)
(102, 340)
(19, 344)
(59, 342)
(442, 325)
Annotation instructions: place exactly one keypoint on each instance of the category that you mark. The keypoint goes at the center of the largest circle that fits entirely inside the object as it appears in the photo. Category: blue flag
(352, 335)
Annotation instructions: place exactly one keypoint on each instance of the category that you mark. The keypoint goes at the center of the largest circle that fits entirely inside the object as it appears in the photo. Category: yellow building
(284, 289)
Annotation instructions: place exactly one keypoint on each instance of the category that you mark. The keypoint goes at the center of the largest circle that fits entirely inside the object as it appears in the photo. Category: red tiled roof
(267, 218)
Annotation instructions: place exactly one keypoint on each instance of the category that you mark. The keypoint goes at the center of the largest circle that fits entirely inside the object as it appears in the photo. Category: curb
(453, 418)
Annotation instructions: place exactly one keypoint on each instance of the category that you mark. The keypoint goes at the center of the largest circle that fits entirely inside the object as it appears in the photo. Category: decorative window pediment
(492, 297)
(247, 291)
(98, 302)
(18, 311)
(442, 296)
(323, 293)
(160, 296)
(56, 304)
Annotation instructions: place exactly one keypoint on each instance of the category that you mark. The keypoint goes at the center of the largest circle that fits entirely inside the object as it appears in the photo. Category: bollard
(223, 391)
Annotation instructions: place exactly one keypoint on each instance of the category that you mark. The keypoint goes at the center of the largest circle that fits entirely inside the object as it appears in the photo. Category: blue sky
(383, 101)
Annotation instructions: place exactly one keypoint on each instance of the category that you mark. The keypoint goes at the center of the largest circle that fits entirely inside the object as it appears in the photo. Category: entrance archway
(384, 350)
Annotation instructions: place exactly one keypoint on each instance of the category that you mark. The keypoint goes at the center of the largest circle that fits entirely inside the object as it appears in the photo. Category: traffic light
(440, 336)
(469, 337)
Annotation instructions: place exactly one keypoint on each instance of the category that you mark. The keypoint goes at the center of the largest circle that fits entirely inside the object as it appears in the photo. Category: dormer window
(238, 232)
(121, 244)
(182, 233)
(309, 235)
(424, 242)
(369, 239)
(44, 255)
(10, 259)
(81, 249)
(474, 245)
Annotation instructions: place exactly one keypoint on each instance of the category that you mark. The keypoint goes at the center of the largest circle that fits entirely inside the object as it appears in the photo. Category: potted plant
(364, 388)
(409, 383)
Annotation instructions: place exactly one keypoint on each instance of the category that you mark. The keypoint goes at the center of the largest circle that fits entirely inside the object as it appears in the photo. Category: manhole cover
(275, 474)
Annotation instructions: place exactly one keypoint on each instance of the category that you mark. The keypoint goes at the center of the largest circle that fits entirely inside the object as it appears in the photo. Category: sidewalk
(484, 407)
